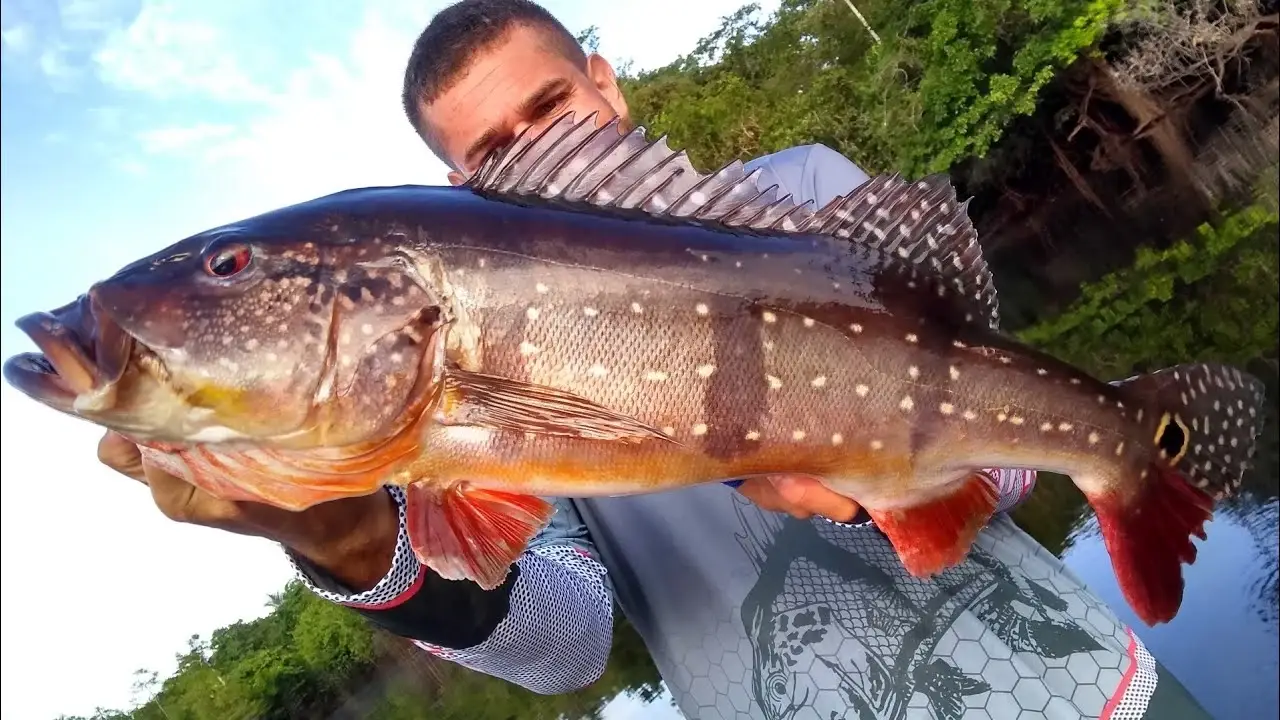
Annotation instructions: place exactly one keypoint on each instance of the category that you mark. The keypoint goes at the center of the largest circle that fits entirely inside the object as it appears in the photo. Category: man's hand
(800, 495)
(351, 539)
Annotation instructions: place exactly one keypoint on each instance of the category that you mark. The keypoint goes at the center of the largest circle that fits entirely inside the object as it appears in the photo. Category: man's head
(483, 71)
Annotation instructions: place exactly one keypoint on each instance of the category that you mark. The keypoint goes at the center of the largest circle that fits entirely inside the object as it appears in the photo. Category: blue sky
(130, 124)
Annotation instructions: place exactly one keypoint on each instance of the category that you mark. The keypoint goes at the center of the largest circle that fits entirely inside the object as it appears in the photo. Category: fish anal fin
(468, 533)
(936, 535)
(601, 166)
(922, 224)
(504, 404)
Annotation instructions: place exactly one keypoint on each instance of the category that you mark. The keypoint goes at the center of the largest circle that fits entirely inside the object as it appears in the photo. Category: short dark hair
(457, 34)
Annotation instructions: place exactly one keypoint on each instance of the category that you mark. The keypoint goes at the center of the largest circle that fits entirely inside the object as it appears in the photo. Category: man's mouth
(82, 352)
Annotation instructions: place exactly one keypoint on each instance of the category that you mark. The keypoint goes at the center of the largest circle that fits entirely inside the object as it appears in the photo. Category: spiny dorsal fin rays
(921, 222)
(604, 166)
(577, 162)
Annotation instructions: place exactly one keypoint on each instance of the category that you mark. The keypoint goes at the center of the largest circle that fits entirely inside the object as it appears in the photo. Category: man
(747, 612)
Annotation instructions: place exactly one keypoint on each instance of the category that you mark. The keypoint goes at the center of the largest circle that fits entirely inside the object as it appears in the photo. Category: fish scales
(610, 321)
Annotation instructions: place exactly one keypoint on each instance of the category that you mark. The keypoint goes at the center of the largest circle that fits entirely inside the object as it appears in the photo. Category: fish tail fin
(466, 533)
(1206, 419)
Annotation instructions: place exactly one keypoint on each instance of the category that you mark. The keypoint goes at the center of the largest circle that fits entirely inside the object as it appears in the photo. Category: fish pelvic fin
(923, 224)
(603, 166)
(936, 535)
(1208, 418)
(504, 404)
(466, 533)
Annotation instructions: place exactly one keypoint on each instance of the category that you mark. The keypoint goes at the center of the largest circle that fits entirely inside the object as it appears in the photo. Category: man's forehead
(496, 81)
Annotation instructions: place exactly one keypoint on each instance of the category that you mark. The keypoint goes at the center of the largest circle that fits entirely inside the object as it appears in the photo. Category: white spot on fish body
(251, 344)
(541, 289)
(532, 313)
(946, 408)
(797, 435)
(862, 390)
(912, 338)
(668, 430)
(876, 445)
(706, 370)
(1046, 427)
(1120, 448)
(768, 317)
(635, 308)
(913, 372)
(1041, 372)
(366, 329)
(808, 322)
(1065, 427)
(752, 435)
(774, 381)
(1001, 417)
(597, 370)
(655, 376)
(819, 381)
(590, 311)
(700, 429)
(528, 348)
(970, 415)
(837, 439)
(955, 373)
(907, 404)
(958, 344)
(701, 309)
(1016, 420)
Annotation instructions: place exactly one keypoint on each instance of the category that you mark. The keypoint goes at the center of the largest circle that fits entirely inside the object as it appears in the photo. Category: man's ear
(456, 178)
(606, 81)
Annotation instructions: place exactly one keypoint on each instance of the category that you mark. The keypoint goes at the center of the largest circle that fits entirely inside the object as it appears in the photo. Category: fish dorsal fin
(578, 162)
(921, 222)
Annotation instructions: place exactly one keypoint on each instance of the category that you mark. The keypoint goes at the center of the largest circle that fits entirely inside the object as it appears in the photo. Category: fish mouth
(82, 356)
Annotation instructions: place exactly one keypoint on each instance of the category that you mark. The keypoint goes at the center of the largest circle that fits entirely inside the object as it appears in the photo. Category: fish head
(300, 337)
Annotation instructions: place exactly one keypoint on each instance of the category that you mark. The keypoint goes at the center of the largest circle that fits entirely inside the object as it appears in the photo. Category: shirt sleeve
(548, 628)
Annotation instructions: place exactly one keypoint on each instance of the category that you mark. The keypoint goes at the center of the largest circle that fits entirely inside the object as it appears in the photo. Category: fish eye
(227, 261)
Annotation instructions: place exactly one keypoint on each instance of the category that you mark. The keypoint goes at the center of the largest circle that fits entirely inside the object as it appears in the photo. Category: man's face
(522, 81)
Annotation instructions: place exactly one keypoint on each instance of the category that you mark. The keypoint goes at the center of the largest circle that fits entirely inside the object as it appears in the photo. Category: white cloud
(17, 39)
(169, 139)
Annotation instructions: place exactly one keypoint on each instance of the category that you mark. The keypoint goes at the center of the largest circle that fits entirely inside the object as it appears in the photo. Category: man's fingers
(121, 455)
(807, 493)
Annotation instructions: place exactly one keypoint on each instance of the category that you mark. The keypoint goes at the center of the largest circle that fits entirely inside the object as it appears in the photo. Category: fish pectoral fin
(258, 477)
(936, 535)
(466, 533)
(504, 404)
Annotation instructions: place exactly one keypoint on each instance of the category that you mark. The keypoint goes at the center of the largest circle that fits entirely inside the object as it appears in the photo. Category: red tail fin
(1205, 420)
(1149, 537)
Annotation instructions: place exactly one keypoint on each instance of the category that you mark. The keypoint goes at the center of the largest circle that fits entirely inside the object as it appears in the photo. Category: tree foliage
(941, 86)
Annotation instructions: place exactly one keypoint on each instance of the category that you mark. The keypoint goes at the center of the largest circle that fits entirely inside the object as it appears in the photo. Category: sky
(127, 125)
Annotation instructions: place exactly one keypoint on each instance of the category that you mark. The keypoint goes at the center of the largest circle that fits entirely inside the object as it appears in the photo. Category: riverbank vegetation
(1122, 159)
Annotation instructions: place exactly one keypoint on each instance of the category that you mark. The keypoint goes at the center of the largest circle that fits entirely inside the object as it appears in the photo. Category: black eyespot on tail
(1212, 416)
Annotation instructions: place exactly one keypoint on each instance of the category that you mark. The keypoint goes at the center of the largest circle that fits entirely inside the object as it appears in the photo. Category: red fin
(935, 536)
(1148, 536)
(258, 476)
(469, 533)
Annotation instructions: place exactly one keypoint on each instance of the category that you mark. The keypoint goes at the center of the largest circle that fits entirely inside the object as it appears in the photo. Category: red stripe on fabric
(397, 600)
(1118, 695)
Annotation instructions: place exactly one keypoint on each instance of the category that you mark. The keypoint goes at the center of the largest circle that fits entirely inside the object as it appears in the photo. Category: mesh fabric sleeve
(548, 628)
